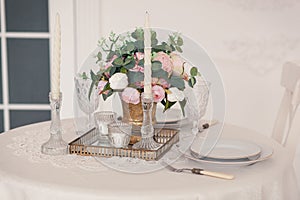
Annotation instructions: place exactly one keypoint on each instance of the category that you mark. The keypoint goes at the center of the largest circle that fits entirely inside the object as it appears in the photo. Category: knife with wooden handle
(212, 174)
(200, 172)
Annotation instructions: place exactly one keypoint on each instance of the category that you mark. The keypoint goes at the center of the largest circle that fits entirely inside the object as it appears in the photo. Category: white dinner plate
(266, 153)
(228, 149)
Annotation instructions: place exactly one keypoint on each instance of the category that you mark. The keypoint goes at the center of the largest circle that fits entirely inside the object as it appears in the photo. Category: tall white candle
(147, 59)
(55, 68)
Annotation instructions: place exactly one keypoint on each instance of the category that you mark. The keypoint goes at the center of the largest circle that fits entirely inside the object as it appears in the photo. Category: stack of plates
(229, 152)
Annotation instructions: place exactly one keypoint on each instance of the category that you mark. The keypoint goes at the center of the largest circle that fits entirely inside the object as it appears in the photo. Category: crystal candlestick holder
(147, 130)
(55, 145)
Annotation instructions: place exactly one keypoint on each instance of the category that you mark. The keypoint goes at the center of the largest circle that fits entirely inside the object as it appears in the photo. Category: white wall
(249, 40)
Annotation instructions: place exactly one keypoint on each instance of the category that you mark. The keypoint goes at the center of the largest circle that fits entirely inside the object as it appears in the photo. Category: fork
(200, 172)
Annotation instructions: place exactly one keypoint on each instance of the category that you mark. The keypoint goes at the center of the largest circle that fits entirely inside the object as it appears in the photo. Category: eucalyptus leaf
(178, 49)
(176, 81)
(139, 44)
(94, 77)
(130, 65)
(154, 42)
(106, 87)
(118, 61)
(182, 105)
(99, 57)
(157, 70)
(91, 89)
(134, 77)
(162, 47)
(172, 47)
(168, 105)
(112, 70)
(153, 35)
(128, 60)
(105, 96)
(130, 46)
(192, 82)
(156, 65)
(194, 71)
(138, 34)
(110, 55)
(172, 40)
(84, 76)
(141, 63)
(179, 41)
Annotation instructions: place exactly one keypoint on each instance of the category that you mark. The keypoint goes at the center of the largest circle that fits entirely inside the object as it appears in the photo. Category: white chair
(287, 125)
(290, 80)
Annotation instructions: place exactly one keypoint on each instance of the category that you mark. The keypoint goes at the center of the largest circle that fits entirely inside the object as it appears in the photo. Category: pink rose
(158, 93)
(163, 83)
(178, 64)
(165, 60)
(139, 55)
(131, 95)
(101, 86)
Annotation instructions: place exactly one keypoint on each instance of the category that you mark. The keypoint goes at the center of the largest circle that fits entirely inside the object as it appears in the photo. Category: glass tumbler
(102, 119)
(119, 134)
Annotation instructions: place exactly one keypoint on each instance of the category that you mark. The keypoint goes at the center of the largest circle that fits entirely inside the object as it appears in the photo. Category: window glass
(23, 117)
(1, 94)
(26, 15)
(28, 70)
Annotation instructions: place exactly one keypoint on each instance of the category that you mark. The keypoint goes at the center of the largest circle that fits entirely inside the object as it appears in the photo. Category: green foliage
(176, 42)
(124, 49)
(99, 57)
(112, 70)
(192, 81)
(95, 80)
(118, 61)
(84, 76)
(129, 65)
(138, 34)
(162, 47)
(182, 105)
(135, 77)
(105, 96)
(194, 71)
(167, 104)
(176, 81)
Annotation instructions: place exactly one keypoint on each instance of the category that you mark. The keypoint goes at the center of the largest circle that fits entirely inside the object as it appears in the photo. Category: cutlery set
(199, 171)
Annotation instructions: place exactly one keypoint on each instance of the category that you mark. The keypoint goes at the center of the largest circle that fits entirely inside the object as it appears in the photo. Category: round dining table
(26, 173)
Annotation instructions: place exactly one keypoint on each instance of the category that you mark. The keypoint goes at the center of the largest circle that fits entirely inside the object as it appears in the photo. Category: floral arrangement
(122, 70)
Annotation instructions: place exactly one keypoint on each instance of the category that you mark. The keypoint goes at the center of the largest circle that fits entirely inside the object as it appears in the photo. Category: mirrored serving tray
(89, 144)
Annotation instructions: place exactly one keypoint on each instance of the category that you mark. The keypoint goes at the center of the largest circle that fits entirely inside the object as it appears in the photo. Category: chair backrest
(290, 80)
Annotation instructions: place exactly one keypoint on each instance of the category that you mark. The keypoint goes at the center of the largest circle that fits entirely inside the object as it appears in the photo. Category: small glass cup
(102, 119)
(119, 134)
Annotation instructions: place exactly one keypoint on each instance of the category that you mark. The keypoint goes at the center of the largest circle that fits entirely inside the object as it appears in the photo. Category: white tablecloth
(26, 176)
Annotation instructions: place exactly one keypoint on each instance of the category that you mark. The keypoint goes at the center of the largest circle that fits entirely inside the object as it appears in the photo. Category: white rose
(175, 94)
(118, 81)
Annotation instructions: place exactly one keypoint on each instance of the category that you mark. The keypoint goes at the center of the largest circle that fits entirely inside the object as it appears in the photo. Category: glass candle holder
(102, 119)
(119, 134)
(55, 145)
(147, 130)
